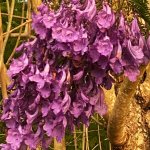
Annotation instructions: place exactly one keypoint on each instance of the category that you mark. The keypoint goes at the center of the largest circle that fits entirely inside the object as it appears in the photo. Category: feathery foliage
(141, 8)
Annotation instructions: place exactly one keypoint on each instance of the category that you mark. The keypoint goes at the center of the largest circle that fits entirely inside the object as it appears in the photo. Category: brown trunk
(117, 119)
(130, 117)
(136, 128)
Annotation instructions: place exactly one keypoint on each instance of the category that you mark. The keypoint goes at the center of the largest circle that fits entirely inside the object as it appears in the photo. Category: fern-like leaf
(141, 8)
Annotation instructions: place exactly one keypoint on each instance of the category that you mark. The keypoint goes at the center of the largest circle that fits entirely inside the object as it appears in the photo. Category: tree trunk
(136, 128)
(130, 117)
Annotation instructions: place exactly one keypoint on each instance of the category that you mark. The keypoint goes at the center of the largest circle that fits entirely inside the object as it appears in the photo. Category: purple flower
(45, 108)
(31, 117)
(137, 50)
(62, 34)
(98, 74)
(135, 30)
(43, 80)
(18, 65)
(105, 18)
(132, 72)
(56, 107)
(77, 109)
(104, 46)
(38, 26)
(48, 127)
(100, 106)
(66, 103)
(5, 147)
(116, 62)
(121, 26)
(78, 76)
(80, 46)
(89, 10)
(32, 140)
(49, 20)
(14, 138)
(59, 132)
(94, 54)
(43, 9)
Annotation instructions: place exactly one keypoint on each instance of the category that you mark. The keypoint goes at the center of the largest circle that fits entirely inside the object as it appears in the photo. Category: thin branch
(9, 25)
(75, 139)
(16, 28)
(87, 138)
(29, 17)
(78, 139)
(18, 39)
(95, 147)
(83, 138)
(110, 148)
(99, 136)
(14, 16)
(8, 7)
(101, 124)
(24, 34)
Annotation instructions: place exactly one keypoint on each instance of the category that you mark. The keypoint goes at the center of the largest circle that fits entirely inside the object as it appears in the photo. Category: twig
(14, 16)
(24, 34)
(29, 17)
(9, 25)
(97, 121)
(8, 7)
(99, 136)
(67, 144)
(75, 138)
(18, 39)
(110, 146)
(95, 146)
(83, 138)
(17, 27)
(87, 139)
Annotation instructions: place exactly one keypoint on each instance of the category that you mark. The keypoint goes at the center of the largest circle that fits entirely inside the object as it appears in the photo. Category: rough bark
(110, 98)
(117, 132)
(136, 124)
(137, 130)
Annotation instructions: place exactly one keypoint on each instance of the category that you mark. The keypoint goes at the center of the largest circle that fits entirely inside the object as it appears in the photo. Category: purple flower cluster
(58, 77)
